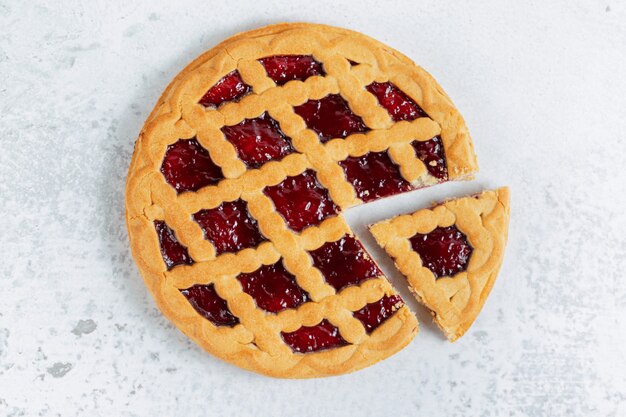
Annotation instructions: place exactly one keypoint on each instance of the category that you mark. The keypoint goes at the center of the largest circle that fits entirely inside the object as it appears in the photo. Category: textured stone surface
(542, 88)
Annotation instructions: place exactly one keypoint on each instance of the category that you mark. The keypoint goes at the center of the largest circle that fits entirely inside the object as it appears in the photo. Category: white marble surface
(543, 88)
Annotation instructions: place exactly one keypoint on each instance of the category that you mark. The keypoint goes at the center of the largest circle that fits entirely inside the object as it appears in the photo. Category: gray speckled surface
(543, 90)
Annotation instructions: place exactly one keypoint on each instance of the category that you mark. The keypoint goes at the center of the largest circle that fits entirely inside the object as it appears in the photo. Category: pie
(450, 254)
(237, 184)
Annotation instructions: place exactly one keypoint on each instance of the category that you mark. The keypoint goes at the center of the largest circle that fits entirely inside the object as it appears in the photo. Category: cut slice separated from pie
(237, 184)
(450, 254)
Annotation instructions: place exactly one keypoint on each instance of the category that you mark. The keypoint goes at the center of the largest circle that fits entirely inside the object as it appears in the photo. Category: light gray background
(542, 85)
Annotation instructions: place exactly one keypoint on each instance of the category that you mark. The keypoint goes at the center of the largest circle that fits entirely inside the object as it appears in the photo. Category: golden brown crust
(454, 301)
(254, 344)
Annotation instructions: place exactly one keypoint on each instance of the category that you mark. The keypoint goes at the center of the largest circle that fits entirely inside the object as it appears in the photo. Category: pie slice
(450, 254)
(237, 183)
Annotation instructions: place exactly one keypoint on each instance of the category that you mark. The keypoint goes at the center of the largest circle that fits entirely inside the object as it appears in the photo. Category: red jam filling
(374, 314)
(187, 166)
(229, 227)
(173, 252)
(211, 306)
(315, 338)
(445, 250)
(431, 153)
(273, 288)
(374, 176)
(344, 262)
(330, 118)
(302, 201)
(230, 88)
(258, 140)
(399, 105)
(284, 68)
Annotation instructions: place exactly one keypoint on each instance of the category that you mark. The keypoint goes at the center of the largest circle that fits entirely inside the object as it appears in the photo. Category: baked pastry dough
(238, 178)
(450, 254)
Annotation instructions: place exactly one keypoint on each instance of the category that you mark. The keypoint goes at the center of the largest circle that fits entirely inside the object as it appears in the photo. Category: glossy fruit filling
(315, 338)
(330, 118)
(344, 262)
(210, 305)
(374, 314)
(258, 140)
(273, 288)
(187, 166)
(284, 68)
(431, 153)
(445, 250)
(173, 252)
(229, 227)
(374, 176)
(399, 105)
(230, 88)
(302, 201)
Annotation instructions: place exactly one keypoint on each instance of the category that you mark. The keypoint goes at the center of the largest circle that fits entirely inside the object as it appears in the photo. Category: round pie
(237, 184)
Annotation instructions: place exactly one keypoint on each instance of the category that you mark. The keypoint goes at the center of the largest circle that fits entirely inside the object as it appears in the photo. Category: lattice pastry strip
(270, 134)
(450, 254)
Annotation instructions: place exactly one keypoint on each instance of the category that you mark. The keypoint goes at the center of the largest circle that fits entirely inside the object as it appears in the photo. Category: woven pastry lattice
(251, 336)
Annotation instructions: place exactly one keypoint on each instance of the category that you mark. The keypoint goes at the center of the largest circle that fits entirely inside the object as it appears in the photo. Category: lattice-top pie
(237, 183)
(450, 254)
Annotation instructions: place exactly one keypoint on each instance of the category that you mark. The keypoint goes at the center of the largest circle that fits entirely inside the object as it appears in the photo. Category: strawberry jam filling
(229, 227)
(258, 140)
(187, 166)
(210, 305)
(445, 250)
(344, 262)
(330, 118)
(315, 338)
(398, 105)
(273, 288)
(284, 68)
(230, 88)
(374, 314)
(430, 152)
(301, 201)
(374, 175)
(172, 251)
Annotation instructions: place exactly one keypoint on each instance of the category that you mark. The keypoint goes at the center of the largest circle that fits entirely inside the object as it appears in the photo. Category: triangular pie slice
(450, 254)
(238, 180)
